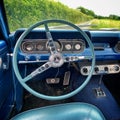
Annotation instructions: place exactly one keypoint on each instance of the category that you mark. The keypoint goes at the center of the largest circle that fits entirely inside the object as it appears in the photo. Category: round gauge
(57, 45)
(68, 46)
(29, 47)
(39, 47)
(77, 46)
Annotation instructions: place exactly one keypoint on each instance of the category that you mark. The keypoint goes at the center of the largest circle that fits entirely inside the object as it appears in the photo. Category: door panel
(6, 82)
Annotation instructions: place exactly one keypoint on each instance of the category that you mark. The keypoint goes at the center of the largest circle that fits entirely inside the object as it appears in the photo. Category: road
(85, 25)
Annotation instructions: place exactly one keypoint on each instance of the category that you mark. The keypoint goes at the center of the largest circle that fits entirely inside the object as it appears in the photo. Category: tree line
(91, 13)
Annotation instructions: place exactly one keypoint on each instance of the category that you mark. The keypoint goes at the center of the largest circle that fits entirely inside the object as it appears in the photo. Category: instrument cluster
(40, 46)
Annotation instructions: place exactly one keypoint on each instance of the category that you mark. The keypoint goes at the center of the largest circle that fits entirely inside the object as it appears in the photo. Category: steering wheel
(56, 59)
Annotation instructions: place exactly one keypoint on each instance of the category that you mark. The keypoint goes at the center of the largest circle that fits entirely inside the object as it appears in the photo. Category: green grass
(105, 23)
(24, 13)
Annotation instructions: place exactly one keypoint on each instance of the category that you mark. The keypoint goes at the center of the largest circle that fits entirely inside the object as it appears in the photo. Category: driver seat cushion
(69, 111)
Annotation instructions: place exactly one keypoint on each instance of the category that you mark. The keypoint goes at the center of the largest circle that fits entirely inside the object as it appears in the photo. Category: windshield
(87, 14)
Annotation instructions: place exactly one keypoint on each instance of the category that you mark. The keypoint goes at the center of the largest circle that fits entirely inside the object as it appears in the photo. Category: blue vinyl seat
(69, 111)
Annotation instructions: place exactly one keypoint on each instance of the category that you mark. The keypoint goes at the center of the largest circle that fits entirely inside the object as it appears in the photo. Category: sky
(100, 7)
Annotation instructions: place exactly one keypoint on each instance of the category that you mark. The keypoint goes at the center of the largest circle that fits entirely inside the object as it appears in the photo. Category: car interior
(63, 74)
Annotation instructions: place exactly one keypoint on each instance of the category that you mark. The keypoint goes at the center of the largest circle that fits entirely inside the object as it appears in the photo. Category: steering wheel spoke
(39, 70)
(51, 43)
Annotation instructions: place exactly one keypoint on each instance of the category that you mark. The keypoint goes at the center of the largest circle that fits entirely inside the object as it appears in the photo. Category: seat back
(70, 111)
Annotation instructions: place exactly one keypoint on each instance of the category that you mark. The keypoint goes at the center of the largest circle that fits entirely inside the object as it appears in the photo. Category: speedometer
(57, 45)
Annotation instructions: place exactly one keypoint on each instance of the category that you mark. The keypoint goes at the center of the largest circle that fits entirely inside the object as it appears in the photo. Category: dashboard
(34, 48)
